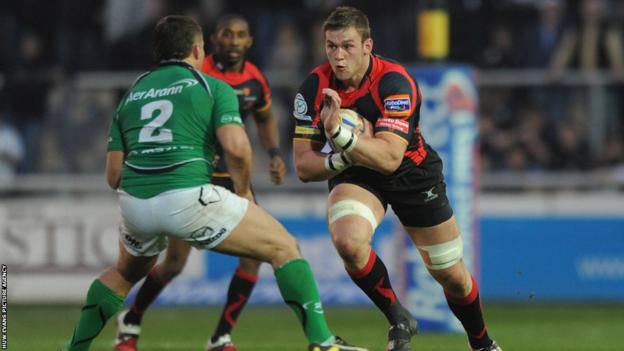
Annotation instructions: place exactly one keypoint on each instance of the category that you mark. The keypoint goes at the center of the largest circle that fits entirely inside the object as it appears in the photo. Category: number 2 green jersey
(166, 126)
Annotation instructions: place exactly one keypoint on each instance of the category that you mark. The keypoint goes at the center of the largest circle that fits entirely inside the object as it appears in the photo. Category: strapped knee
(351, 207)
(443, 255)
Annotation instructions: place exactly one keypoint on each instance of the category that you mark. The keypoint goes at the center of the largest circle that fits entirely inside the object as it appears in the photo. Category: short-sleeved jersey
(166, 125)
(250, 86)
(389, 98)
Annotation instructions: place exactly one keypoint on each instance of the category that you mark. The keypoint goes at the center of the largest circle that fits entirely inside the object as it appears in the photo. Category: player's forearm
(239, 167)
(311, 166)
(377, 154)
(114, 165)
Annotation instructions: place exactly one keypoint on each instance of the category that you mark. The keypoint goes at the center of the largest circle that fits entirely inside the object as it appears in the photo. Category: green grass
(520, 327)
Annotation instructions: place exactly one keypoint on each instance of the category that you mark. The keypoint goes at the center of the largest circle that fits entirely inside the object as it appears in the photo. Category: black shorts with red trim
(423, 206)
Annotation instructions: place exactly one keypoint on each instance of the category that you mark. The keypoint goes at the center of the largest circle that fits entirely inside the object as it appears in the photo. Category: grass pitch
(518, 327)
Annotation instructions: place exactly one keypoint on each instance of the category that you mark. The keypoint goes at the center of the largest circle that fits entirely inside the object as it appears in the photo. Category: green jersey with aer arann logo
(166, 125)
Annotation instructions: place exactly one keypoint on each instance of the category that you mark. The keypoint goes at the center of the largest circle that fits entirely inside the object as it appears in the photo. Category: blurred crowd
(48, 123)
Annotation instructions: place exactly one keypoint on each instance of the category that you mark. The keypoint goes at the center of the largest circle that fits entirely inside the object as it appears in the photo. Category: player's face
(232, 41)
(347, 53)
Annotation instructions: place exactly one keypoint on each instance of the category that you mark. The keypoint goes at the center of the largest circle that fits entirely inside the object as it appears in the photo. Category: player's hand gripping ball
(349, 120)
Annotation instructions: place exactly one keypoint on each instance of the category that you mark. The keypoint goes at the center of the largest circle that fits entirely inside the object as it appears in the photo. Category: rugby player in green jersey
(160, 159)
(231, 40)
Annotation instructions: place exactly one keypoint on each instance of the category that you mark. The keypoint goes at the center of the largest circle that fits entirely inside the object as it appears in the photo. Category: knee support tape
(351, 207)
(443, 255)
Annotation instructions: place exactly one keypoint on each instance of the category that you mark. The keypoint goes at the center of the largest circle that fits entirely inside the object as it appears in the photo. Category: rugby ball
(351, 120)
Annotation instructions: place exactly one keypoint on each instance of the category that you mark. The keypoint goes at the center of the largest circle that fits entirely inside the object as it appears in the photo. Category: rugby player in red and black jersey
(388, 164)
(231, 40)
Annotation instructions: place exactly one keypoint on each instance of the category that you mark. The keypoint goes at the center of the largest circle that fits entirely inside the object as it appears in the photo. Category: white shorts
(202, 216)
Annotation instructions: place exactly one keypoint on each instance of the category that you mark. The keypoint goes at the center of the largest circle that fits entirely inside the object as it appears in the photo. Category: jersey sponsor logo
(154, 93)
(301, 108)
(397, 105)
(186, 81)
(393, 124)
(307, 130)
(226, 119)
(173, 89)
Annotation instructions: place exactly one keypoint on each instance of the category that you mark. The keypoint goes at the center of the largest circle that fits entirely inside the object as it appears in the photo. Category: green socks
(102, 303)
(299, 290)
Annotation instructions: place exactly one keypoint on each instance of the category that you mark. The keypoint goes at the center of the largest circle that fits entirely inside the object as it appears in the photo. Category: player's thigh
(259, 236)
(201, 216)
(133, 267)
(177, 253)
(434, 235)
(354, 211)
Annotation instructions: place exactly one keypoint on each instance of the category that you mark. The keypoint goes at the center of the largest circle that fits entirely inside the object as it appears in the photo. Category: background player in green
(161, 149)
(231, 40)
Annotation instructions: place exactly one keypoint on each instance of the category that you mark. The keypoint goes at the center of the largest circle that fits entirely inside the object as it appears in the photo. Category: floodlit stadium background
(549, 172)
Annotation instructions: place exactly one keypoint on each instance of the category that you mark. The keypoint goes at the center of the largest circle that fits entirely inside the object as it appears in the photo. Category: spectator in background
(11, 151)
(499, 53)
(613, 155)
(533, 136)
(594, 43)
(27, 86)
(79, 39)
(571, 148)
(541, 40)
(133, 50)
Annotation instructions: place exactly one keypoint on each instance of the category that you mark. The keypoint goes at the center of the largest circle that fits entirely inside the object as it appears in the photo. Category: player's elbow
(113, 178)
(114, 164)
(390, 164)
(238, 151)
(302, 172)
(234, 142)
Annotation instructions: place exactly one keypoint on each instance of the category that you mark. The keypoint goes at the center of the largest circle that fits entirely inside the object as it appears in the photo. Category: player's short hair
(225, 19)
(174, 36)
(344, 17)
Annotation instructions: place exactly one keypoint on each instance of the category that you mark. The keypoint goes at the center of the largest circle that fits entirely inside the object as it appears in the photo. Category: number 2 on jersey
(153, 131)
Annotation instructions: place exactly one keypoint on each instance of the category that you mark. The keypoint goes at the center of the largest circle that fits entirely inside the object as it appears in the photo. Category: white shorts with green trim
(203, 216)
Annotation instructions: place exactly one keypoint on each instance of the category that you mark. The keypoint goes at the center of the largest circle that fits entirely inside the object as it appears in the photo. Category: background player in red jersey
(390, 165)
(231, 40)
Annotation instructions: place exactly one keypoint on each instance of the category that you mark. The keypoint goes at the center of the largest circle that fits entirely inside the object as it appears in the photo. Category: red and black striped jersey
(389, 98)
(249, 84)
(251, 88)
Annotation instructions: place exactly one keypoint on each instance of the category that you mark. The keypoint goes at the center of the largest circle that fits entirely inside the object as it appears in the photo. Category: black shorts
(225, 182)
(424, 207)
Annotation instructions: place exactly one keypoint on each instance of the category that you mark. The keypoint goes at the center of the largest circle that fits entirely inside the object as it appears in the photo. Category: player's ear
(368, 46)
(213, 39)
(197, 48)
(249, 42)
